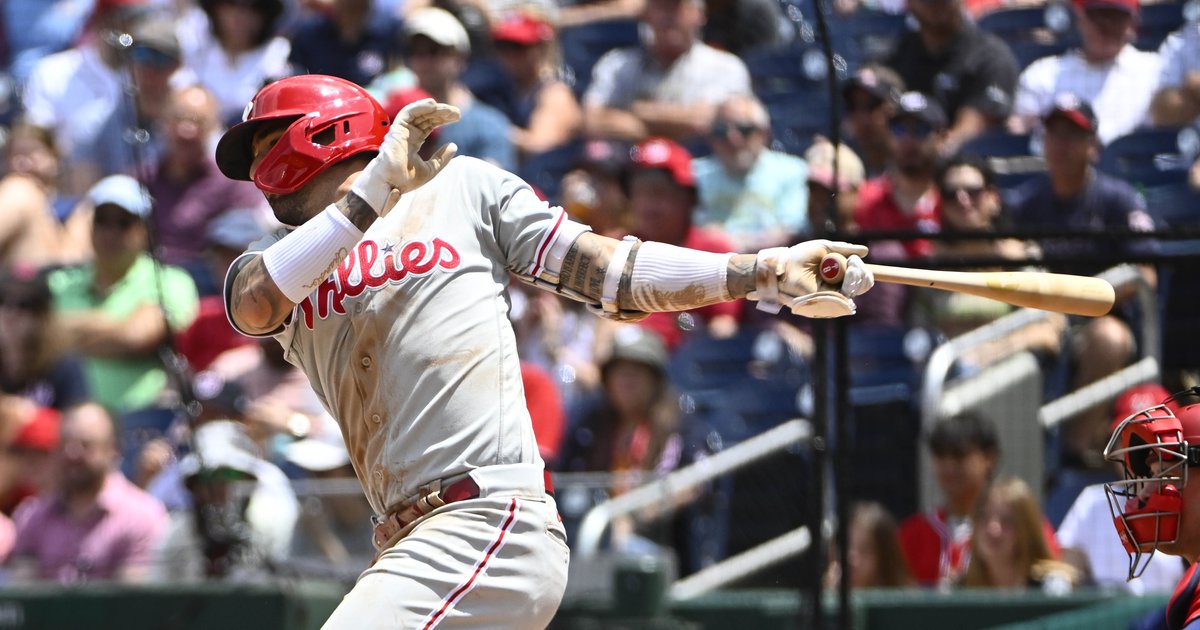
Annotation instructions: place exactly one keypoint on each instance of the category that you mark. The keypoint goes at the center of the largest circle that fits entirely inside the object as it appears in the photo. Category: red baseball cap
(1132, 7)
(523, 29)
(1138, 398)
(1074, 109)
(666, 155)
(40, 431)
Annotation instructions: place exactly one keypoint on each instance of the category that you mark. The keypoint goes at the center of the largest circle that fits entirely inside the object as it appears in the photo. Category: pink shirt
(120, 532)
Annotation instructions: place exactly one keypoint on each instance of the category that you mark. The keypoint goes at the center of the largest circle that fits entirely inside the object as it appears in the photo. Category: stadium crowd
(144, 439)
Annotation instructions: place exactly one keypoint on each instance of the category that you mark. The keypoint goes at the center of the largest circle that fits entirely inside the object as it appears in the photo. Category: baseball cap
(220, 444)
(639, 345)
(322, 450)
(39, 432)
(1138, 398)
(235, 229)
(880, 82)
(1074, 109)
(122, 191)
(666, 155)
(919, 106)
(398, 99)
(851, 172)
(156, 32)
(1132, 7)
(523, 29)
(439, 25)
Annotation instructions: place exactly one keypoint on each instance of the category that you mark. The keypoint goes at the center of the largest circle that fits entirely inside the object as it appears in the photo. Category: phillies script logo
(365, 269)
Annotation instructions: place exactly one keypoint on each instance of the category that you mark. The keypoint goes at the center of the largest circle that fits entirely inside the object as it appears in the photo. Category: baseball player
(395, 307)
(1155, 508)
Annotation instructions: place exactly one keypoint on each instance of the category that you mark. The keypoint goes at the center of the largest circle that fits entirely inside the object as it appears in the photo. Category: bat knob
(833, 268)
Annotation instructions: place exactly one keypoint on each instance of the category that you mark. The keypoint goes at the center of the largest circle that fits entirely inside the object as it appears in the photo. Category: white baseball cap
(122, 191)
(439, 25)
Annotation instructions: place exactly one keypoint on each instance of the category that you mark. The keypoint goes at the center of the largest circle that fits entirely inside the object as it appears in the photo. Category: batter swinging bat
(1062, 293)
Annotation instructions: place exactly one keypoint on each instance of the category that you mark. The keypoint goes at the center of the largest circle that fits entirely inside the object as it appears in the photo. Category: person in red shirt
(662, 198)
(937, 543)
(1161, 444)
(906, 196)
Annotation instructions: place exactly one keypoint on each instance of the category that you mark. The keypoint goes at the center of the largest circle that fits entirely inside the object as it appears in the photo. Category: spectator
(74, 92)
(662, 198)
(1009, 546)
(874, 555)
(668, 87)
(98, 526)
(969, 72)
(36, 28)
(34, 364)
(333, 527)
(210, 334)
(971, 204)
(1094, 548)
(592, 193)
(592, 11)
(545, 114)
(30, 235)
(117, 310)
(850, 175)
(438, 48)
(1117, 79)
(906, 197)
(755, 195)
(235, 49)
(351, 39)
(1075, 196)
(31, 455)
(237, 526)
(189, 190)
(1177, 101)
(556, 337)
(545, 409)
(870, 97)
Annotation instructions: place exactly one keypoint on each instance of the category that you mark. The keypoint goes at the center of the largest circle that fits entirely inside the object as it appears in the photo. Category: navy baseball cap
(921, 107)
(1074, 109)
(881, 83)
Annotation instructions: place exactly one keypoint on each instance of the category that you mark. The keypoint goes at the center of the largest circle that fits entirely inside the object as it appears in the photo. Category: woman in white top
(233, 48)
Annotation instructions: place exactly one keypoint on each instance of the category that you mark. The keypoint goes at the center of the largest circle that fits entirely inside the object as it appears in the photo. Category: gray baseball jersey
(408, 343)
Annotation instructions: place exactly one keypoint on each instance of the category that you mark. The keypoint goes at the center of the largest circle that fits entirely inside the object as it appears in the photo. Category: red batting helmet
(1156, 447)
(350, 119)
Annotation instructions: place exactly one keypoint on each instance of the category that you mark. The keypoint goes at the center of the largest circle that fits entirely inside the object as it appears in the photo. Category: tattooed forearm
(585, 264)
(739, 276)
(358, 211)
(256, 304)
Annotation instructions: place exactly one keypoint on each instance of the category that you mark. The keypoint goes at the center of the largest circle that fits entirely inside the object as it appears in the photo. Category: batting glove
(788, 276)
(399, 165)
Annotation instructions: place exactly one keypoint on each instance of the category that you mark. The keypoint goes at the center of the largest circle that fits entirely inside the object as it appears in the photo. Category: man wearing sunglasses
(869, 97)
(905, 197)
(757, 196)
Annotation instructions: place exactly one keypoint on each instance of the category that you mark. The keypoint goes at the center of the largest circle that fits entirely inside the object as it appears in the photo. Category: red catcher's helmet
(347, 119)
(1156, 447)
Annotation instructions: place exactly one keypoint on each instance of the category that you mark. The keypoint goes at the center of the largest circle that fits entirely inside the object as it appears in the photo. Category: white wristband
(300, 261)
(612, 276)
(669, 278)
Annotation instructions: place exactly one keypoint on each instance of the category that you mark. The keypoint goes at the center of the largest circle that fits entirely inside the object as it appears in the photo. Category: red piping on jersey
(452, 599)
(545, 246)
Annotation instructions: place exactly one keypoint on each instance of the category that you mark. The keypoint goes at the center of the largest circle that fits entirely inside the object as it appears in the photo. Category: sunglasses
(146, 56)
(914, 128)
(721, 128)
(974, 192)
(119, 220)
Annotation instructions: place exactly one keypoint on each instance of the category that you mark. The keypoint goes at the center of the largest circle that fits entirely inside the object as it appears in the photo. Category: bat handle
(833, 268)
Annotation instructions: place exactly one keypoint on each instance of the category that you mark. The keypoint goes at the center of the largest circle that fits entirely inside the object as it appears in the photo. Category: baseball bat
(1062, 293)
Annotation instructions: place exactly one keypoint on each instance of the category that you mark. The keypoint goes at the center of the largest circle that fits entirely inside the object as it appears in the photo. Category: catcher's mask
(1156, 447)
(328, 120)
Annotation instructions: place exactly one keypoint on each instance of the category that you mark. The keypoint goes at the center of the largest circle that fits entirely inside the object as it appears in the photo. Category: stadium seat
(1173, 204)
(702, 362)
(1156, 22)
(1052, 23)
(1146, 158)
(1013, 157)
(867, 35)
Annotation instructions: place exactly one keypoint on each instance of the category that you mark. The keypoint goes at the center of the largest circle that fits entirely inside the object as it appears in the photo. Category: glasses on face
(122, 220)
(146, 56)
(427, 50)
(721, 128)
(951, 192)
(914, 128)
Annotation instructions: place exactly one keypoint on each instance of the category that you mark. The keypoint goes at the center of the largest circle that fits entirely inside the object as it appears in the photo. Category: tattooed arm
(255, 303)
